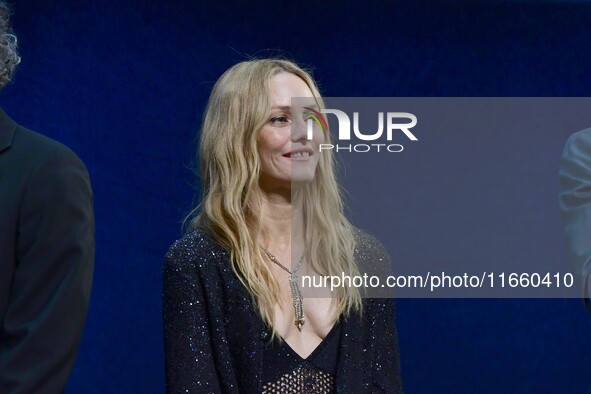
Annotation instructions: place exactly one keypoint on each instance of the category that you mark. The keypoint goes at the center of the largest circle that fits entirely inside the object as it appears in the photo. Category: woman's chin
(301, 180)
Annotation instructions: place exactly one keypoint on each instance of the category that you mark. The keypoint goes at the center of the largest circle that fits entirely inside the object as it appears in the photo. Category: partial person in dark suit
(575, 205)
(46, 250)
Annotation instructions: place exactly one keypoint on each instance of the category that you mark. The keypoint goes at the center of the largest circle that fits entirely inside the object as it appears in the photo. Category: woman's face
(287, 157)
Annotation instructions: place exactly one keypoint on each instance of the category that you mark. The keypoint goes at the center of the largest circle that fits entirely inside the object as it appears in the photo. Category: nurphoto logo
(395, 122)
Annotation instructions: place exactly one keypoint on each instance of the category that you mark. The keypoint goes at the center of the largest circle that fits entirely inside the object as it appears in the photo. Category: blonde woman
(236, 319)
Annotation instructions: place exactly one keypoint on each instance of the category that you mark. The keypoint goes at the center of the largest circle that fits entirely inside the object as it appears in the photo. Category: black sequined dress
(215, 342)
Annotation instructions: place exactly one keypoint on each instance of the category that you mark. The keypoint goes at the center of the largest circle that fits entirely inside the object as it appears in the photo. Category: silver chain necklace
(296, 294)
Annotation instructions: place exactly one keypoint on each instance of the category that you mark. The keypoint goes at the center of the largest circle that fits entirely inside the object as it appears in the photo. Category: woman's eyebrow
(282, 107)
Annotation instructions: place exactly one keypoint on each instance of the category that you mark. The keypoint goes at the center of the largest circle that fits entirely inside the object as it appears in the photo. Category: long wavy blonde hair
(231, 198)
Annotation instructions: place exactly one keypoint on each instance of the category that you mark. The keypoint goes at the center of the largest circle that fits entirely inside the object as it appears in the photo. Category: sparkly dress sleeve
(189, 354)
(382, 317)
(387, 361)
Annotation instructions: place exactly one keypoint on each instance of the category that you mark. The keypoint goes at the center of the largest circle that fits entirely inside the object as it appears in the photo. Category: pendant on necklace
(298, 304)
(299, 323)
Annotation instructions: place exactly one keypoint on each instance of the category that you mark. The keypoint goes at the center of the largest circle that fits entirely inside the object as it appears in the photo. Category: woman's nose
(299, 129)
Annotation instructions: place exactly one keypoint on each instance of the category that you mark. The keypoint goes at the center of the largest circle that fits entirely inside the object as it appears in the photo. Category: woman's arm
(386, 367)
(373, 258)
(190, 366)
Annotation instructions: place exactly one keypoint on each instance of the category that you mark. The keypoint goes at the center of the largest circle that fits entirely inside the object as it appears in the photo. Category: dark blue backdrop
(124, 83)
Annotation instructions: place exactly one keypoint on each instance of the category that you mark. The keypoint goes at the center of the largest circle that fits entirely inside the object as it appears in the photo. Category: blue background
(124, 83)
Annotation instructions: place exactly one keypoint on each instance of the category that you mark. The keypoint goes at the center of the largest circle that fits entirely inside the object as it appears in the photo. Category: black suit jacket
(575, 205)
(46, 259)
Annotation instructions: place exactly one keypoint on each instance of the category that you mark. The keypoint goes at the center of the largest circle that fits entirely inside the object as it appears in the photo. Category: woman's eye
(279, 120)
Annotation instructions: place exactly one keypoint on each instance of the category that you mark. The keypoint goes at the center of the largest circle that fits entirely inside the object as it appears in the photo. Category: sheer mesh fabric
(306, 378)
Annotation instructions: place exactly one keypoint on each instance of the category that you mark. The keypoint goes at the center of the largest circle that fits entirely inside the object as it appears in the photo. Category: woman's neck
(283, 223)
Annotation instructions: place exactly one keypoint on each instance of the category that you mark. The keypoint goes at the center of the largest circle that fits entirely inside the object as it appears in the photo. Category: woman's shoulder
(373, 260)
(368, 247)
(197, 250)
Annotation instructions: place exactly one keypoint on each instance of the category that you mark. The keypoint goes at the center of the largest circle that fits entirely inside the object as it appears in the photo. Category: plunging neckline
(318, 348)
(284, 367)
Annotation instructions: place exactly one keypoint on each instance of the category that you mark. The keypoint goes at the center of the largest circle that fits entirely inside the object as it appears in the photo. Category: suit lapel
(7, 127)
